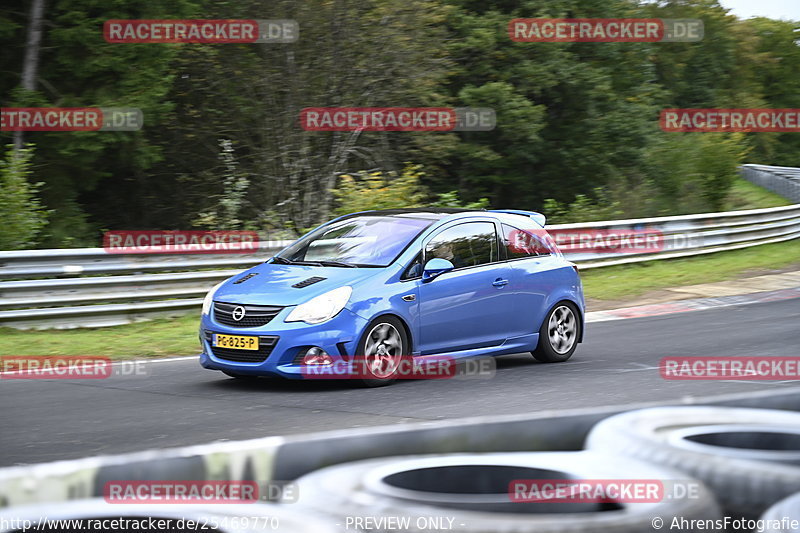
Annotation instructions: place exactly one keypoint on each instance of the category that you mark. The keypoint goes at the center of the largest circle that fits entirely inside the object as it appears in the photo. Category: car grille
(266, 343)
(254, 315)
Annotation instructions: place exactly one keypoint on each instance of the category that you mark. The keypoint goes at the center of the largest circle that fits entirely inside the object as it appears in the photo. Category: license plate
(237, 342)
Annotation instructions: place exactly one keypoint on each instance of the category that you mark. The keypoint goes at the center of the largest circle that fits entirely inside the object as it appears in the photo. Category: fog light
(316, 356)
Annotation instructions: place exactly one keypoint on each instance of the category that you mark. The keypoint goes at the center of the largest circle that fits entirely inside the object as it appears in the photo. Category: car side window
(465, 245)
(414, 270)
(524, 243)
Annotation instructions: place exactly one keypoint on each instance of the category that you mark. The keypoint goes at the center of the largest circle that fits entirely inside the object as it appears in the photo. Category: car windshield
(369, 240)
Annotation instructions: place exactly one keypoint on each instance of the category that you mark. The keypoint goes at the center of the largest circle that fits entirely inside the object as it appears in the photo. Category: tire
(745, 481)
(559, 334)
(780, 516)
(370, 349)
(472, 490)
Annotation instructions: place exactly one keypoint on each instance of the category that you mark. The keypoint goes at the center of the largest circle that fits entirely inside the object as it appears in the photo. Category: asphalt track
(179, 403)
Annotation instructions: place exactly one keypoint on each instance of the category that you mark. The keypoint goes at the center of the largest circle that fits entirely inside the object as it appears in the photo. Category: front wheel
(559, 334)
(382, 349)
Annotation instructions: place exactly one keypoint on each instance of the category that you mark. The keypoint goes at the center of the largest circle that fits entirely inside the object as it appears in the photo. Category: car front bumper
(338, 337)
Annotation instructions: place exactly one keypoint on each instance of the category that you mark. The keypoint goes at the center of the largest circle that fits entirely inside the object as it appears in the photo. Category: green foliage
(570, 116)
(364, 191)
(451, 199)
(687, 173)
(694, 171)
(625, 281)
(583, 209)
(577, 123)
(92, 175)
(226, 215)
(746, 195)
(21, 213)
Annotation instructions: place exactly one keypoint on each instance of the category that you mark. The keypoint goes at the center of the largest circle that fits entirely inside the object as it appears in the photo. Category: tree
(570, 115)
(90, 178)
(363, 191)
(31, 62)
(22, 215)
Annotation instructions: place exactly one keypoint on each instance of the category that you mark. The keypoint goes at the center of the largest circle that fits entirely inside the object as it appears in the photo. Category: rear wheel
(559, 334)
(381, 351)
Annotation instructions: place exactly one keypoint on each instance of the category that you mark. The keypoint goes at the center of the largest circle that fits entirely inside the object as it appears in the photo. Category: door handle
(500, 282)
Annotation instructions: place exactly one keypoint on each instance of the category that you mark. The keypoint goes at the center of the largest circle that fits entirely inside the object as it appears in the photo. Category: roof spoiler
(537, 217)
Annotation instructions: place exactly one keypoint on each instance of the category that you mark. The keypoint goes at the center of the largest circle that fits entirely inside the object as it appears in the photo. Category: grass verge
(157, 338)
(178, 336)
(628, 281)
(745, 195)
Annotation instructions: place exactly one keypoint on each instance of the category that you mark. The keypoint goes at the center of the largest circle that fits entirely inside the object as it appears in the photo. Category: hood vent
(245, 278)
(307, 282)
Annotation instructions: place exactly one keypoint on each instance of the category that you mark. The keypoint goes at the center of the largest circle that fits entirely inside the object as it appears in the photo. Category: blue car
(394, 285)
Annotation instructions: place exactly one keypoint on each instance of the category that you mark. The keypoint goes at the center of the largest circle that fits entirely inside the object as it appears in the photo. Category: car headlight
(321, 308)
(210, 297)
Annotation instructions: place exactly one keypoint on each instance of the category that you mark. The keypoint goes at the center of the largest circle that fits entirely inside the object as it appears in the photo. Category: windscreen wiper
(284, 261)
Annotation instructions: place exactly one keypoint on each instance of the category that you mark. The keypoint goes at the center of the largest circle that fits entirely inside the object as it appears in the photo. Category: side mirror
(436, 267)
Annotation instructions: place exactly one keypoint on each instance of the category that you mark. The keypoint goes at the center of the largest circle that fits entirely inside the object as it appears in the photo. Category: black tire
(368, 377)
(472, 490)
(746, 480)
(549, 350)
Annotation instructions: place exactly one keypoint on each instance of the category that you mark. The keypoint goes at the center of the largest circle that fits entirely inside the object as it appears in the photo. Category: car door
(469, 306)
(533, 276)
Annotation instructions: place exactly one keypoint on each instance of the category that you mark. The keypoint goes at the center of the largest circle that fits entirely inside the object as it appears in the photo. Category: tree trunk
(30, 66)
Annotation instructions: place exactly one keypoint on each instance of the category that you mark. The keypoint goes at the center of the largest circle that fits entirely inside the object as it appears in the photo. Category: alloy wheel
(562, 329)
(383, 350)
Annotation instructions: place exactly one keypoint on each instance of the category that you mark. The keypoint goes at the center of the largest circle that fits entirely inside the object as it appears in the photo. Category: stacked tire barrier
(743, 462)
(471, 492)
(749, 457)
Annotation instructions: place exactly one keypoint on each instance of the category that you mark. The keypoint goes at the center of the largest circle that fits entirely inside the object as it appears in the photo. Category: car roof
(438, 213)
(431, 213)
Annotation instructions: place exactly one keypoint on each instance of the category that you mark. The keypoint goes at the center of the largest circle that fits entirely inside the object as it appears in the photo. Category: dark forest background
(577, 123)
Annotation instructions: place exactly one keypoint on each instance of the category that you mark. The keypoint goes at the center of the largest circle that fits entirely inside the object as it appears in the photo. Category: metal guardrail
(781, 180)
(90, 287)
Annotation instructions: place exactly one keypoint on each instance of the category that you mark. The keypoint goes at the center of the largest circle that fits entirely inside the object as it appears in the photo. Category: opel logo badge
(238, 313)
